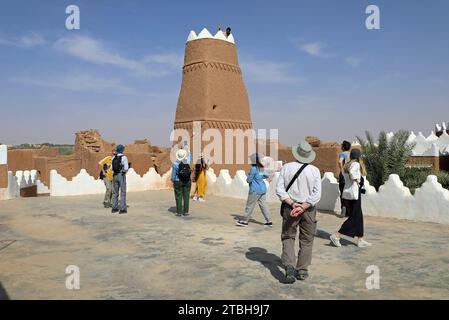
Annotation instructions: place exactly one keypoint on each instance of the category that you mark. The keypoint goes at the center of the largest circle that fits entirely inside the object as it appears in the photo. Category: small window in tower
(214, 107)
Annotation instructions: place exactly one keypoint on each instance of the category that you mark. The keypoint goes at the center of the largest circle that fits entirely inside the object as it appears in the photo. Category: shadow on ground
(325, 235)
(3, 293)
(172, 210)
(240, 217)
(269, 260)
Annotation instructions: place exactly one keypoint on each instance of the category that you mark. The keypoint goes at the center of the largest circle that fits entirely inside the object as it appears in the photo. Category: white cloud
(172, 60)
(267, 72)
(96, 52)
(315, 49)
(28, 41)
(81, 82)
(354, 61)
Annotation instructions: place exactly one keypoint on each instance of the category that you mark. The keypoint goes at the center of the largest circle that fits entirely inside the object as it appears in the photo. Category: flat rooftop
(152, 254)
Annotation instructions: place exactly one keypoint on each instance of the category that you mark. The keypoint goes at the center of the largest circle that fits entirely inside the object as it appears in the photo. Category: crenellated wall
(430, 202)
(85, 184)
(430, 146)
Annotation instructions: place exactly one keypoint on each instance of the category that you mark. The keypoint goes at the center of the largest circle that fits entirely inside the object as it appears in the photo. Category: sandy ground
(152, 254)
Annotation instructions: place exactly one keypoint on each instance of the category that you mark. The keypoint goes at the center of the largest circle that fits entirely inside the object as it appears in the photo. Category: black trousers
(341, 186)
(353, 226)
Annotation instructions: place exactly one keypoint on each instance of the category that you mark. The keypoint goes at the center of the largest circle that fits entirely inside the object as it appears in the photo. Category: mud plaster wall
(326, 158)
(23, 159)
(212, 85)
(3, 166)
(432, 162)
(3, 176)
(213, 92)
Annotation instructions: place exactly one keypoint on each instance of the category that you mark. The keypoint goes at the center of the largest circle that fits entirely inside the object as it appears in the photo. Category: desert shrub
(414, 177)
(443, 178)
(386, 156)
(65, 150)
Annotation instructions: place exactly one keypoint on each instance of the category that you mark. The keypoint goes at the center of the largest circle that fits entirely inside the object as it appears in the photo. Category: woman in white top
(353, 172)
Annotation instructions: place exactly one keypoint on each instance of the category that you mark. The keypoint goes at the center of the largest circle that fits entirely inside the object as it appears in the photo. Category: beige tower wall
(213, 92)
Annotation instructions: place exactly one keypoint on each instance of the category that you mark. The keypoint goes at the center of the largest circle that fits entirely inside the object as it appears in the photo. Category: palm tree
(386, 157)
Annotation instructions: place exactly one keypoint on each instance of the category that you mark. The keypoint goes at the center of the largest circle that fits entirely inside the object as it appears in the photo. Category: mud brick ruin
(89, 149)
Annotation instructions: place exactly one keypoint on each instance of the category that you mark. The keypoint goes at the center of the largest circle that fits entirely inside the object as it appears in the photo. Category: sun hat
(303, 152)
(181, 154)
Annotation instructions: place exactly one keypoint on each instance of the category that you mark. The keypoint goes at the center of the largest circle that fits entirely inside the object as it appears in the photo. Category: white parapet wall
(431, 145)
(12, 191)
(429, 204)
(85, 184)
(3, 154)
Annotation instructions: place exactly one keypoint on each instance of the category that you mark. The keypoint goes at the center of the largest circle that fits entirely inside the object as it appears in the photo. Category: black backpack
(184, 172)
(117, 164)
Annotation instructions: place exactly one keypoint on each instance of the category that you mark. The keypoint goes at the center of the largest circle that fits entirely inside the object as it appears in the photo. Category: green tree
(385, 157)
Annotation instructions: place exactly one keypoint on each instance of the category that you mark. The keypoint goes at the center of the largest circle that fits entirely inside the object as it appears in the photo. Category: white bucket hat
(303, 152)
(181, 154)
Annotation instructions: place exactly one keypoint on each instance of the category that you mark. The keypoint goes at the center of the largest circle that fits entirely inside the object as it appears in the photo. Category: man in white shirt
(299, 189)
(120, 166)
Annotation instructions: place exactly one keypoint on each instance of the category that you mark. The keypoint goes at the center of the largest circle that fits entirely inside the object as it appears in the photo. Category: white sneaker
(201, 199)
(363, 244)
(335, 240)
(195, 198)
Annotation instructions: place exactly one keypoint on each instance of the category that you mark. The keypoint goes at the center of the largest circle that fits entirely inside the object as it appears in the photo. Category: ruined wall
(24, 159)
(326, 158)
(3, 167)
(3, 176)
(89, 149)
(91, 140)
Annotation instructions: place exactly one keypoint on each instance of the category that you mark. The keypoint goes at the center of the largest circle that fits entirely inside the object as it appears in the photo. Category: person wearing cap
(119, 168)
(353, 172)
(257, 193)
(182, 182)
(299, 189)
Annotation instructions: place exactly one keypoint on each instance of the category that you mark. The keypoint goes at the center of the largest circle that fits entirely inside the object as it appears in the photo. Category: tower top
(205, 34)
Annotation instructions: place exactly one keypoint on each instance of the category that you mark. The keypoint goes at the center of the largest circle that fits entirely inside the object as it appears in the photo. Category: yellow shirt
(107, 161)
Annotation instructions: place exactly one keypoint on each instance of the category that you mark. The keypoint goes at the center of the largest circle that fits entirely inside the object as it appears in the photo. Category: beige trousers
(306, 224)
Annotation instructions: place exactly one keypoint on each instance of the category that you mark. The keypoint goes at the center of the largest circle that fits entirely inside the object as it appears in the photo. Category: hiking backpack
(184, 172)
(117, 164)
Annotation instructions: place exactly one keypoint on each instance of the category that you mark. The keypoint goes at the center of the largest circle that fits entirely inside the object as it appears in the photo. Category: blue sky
(310, 67)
